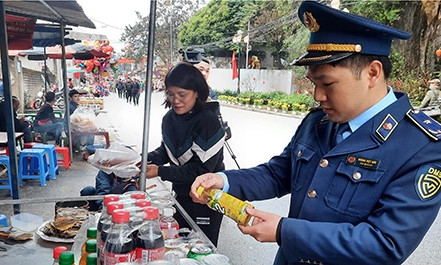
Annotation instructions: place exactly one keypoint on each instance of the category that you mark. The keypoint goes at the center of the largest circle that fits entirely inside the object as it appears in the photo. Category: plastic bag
(83, 120)
(118, 159)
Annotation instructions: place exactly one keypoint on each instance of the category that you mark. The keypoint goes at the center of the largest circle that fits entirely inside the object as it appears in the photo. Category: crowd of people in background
(130, 89)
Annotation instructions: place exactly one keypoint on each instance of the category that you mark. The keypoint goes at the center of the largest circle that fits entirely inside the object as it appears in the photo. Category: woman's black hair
(186, 76)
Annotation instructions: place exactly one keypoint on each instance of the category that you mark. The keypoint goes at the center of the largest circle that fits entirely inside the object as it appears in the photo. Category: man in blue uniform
(363, 170)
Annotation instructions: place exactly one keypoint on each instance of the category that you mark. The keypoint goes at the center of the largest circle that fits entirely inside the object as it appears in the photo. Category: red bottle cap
(58, 250)
(151, 213)
(120, 216)
(110, 198)
(113, 206)
(143, 203)
(138, 196)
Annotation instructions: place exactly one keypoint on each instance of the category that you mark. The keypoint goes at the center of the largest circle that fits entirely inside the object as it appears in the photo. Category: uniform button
(299, 154)
(356, 175)
(312, 194)
(324, 162)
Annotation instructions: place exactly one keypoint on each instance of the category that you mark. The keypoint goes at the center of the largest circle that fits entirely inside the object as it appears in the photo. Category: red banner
(234, 66)
(20, 32)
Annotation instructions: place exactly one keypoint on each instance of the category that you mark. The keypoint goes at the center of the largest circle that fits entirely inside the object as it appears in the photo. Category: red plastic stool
(66, 156)
(30, 144)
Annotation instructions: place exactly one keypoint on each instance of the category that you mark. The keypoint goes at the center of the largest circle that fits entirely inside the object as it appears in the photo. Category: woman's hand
(152, 171)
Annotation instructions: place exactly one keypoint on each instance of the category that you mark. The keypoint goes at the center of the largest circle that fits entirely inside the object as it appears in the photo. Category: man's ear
(375, 72)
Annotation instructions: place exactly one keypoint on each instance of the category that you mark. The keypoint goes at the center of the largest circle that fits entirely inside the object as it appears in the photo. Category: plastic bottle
(90, 248)
(227, 204)
(64, 141)
(119, 246)
(103, 230)
(67, 258)
(91, 234)
(150, 241)
(57, 252)
(168, 223)
(92, 259)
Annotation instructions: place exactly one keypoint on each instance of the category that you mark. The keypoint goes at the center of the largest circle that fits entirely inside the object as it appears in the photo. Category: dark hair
(50, 96)
(186, 76)
(73, 92)
(357, 62)
(205, 59)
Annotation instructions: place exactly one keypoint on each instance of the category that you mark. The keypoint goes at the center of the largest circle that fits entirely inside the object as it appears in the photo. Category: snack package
(83, 120)
(118, 159)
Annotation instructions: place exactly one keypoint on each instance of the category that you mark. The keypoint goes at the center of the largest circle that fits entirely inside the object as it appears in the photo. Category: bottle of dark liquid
(119, 246)
(104, 226)
(150, 242)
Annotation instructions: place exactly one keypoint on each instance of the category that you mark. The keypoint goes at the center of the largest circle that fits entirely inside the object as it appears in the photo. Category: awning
(54, 11)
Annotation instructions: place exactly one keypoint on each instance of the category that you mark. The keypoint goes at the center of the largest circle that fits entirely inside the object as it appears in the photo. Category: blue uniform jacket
(370, 200)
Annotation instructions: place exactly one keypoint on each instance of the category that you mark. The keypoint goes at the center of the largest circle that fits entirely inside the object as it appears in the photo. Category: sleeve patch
(428, 181)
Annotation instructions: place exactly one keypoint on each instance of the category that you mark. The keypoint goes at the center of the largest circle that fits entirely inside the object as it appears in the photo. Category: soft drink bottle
(105, 227)
(57, 252)
(104, 217)
(119, 246)
(92, 259)
(150, 242)
(67, 258)
(91, 234)
(90, 248)
(168, 223)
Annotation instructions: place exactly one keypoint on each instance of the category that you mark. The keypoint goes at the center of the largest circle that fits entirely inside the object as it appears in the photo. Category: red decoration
(438, 52)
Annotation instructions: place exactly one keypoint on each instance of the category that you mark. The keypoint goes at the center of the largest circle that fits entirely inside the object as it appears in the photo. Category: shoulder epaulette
(426, 123)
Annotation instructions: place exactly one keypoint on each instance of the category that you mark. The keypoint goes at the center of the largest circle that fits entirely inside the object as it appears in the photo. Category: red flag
(234, 66)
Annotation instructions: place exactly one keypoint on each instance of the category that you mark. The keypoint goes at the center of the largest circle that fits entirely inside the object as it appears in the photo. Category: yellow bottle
(227, 204)
(90, 248)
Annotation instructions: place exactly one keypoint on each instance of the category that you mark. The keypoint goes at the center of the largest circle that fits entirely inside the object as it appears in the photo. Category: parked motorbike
(39, 100)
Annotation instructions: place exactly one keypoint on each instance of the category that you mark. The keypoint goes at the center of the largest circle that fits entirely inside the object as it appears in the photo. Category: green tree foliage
(169, 15)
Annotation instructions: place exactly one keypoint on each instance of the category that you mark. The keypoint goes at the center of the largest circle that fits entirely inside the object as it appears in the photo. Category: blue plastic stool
(27, 171)
(51, 155)
(3, 220)
(4, 160)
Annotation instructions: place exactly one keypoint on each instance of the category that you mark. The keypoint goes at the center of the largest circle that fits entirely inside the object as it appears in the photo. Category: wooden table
(4, 138)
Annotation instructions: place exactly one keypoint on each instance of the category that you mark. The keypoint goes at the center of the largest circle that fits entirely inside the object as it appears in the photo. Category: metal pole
(238, 70)
(9, 114)
(65, 87)
(148, 94)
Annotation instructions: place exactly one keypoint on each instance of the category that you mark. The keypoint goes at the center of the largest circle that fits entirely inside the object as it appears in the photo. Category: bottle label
(115, 258)
(230, 206)
(147, 255)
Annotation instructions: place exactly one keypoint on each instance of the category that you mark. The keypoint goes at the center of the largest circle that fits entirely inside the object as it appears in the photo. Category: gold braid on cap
(331, 47)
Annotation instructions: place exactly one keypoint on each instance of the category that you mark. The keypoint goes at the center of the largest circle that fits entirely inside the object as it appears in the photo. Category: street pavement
(257, 136)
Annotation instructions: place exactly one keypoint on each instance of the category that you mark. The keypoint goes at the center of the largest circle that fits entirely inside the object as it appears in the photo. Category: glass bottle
(150, 241)
(57, 252)
(90, 248)
(227, 204)
(67, 258)
(119, 246)
(168, 223)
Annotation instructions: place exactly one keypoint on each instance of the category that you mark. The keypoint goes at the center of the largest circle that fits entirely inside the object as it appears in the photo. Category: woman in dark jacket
(192, 144)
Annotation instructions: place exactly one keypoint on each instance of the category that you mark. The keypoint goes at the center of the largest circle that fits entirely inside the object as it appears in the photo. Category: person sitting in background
(46, 122)
(433, 95)
(20, 124)
(74, 100)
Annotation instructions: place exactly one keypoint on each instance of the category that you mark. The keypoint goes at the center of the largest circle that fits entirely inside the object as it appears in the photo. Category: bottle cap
(66, 258)
(91, 245)
(110, 198)
(91, 232)
(113, 206)
(151, 213)
(120, 216)
(58, 250)
(200, 190)
(168, 211)
(91, 259)
(143, 203)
